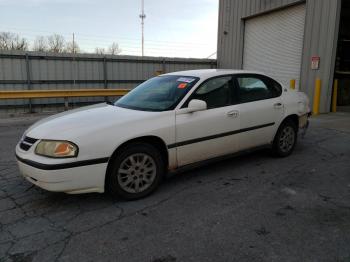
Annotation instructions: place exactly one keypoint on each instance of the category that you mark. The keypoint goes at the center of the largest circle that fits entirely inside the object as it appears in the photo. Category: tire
(135, 172)
(285, 139)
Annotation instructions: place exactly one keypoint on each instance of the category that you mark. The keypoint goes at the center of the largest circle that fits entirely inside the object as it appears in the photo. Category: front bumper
(72, 180)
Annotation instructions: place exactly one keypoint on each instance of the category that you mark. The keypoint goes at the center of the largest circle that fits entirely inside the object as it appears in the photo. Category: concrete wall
(45, 71)
(321, 34)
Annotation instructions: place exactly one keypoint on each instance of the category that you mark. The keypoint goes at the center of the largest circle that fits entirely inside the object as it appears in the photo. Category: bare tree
(40, 44)
(11, 41)
(56, 43)
(114, 49)
(5, 40)
(72, 48)
(20, 43)
(100, 51)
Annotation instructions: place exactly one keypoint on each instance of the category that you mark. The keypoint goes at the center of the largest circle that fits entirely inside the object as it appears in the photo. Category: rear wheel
(136, 171)
(285, 139)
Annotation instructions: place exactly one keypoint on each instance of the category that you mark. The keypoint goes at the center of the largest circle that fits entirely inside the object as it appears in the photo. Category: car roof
(207, 73)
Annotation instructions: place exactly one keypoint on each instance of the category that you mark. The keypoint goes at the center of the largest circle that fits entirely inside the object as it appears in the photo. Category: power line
(92, 43)
(88, 43)
(39, 32)
(212, 55)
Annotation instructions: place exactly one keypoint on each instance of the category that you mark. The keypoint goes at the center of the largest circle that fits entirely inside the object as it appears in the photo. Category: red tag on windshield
(182, 85)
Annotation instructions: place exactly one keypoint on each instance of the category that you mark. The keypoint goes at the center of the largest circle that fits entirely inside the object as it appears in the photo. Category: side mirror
(196, 105)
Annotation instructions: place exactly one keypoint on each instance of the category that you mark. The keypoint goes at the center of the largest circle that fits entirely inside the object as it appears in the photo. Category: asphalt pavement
(250, 208)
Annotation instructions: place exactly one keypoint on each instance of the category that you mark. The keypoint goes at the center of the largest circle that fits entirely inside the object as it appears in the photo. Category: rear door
(260, 108)
(210, 133)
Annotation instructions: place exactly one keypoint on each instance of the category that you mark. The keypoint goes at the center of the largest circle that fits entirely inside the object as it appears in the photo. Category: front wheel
(285, 139)
(136, 172)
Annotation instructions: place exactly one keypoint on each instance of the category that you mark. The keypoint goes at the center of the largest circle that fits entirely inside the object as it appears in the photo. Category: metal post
(105, 83)
(317, 97)
(292, 83)
(163, 66)
(74, 63)
(211, 65)
(335, 96)
(28, 82)
(66, 104)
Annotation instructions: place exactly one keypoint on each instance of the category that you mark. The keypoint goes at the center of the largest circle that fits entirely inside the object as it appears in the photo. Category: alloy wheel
(137, 173)
(287, 139)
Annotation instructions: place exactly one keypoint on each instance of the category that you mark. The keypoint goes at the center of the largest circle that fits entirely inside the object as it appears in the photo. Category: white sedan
(168, 122)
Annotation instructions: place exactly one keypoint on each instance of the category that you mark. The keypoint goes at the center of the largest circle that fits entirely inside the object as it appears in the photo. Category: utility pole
(142, 16)
(74, 63)
(73, 44)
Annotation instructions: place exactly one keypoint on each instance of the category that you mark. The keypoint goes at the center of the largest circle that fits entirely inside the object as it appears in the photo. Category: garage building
(290, 39)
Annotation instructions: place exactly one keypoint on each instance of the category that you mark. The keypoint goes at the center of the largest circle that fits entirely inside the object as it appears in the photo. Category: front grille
(27, 143)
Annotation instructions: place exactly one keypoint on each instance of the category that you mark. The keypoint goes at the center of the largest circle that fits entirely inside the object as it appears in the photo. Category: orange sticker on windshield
(182, 85)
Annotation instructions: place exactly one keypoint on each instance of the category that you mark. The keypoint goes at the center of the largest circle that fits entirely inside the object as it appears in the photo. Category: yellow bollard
(317, 96)
(335, 95)
(292, 84)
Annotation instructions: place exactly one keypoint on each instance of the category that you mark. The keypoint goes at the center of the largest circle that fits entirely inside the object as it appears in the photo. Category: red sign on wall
(315, 63)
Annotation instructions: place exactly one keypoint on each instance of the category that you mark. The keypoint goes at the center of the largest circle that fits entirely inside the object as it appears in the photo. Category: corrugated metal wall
(321, 34)
(33, 70)
(321, 38)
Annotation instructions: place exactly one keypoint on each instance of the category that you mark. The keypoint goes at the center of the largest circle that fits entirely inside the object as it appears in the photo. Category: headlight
(56, 149)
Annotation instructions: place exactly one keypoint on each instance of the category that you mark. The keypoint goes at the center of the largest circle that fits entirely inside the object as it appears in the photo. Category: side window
(277, 88)
(253, 89)
(215, 92)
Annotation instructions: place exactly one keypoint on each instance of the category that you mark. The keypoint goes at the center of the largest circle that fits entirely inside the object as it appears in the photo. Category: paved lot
(251, 208)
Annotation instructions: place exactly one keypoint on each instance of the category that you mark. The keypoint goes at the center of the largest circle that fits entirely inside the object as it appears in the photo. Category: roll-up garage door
(273, 43)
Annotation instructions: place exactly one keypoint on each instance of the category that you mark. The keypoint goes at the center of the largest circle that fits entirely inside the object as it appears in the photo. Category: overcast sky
(185, 28)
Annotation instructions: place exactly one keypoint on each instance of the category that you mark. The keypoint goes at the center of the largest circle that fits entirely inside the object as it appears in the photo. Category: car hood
(85, 120)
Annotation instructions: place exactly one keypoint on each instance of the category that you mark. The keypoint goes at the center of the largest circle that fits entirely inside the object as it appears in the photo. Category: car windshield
(160, 93)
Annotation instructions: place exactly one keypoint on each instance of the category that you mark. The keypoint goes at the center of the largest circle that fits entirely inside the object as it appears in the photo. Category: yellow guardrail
(22, 94)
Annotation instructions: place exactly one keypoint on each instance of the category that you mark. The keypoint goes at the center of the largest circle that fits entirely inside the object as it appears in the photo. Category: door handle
(233, 113)
(278, 105)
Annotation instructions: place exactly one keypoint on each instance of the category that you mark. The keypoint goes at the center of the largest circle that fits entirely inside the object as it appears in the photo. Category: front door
(210, 133)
